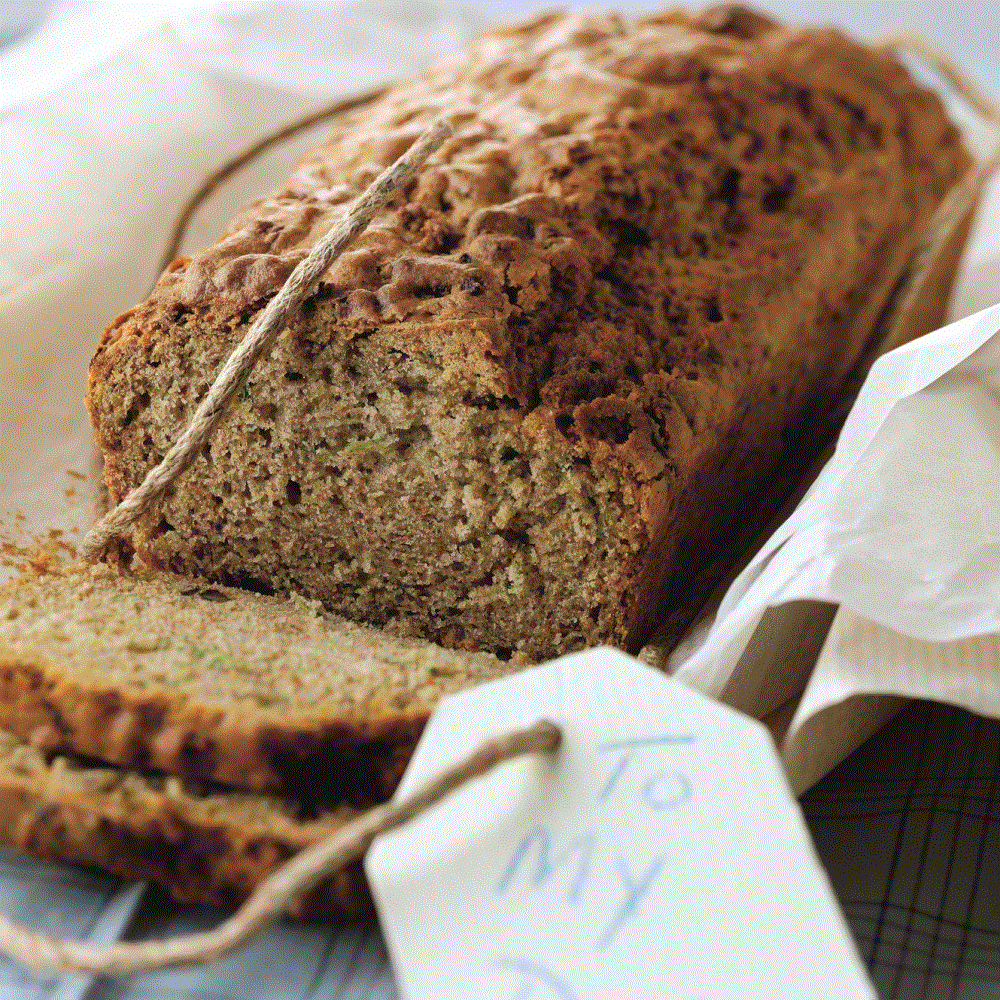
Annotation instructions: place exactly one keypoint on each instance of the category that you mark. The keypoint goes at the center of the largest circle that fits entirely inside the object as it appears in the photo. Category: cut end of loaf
(380, 484)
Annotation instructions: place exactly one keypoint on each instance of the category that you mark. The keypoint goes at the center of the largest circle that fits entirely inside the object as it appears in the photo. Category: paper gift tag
(657, 853)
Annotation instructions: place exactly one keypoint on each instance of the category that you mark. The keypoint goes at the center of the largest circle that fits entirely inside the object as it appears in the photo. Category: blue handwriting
(632, 747)
(584, 846)
(540, 862)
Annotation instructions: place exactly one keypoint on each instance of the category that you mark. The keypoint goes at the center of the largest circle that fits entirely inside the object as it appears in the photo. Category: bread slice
(202, 845)
(534, 398)
(162, 672)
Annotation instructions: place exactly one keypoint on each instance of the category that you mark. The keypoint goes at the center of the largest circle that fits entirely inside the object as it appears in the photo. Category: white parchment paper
(902, 530)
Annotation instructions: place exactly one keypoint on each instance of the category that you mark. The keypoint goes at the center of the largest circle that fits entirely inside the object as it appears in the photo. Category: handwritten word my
(660, 790)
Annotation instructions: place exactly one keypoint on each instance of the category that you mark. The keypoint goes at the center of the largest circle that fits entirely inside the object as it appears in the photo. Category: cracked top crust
(620, 210)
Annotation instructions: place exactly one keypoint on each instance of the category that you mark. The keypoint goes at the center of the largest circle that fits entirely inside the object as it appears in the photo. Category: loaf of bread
(203, 845)
(164, 672)
(538, 393)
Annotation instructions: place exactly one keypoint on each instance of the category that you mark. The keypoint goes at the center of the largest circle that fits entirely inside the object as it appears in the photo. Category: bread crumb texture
(175, 674)
(549, 379)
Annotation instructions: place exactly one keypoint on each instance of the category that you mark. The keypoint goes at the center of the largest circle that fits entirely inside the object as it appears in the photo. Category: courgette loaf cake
(203, 845)
(536, 394)
(168, 673)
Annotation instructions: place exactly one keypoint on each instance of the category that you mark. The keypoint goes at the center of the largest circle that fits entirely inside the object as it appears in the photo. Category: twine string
(272, 896)
(963, 84)
(100, 500)
(260, 338)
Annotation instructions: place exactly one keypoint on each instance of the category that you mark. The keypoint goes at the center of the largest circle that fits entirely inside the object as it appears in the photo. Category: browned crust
(198, 861)
(360, 760)
(929, 306)
(666, 598)
(926, 313)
